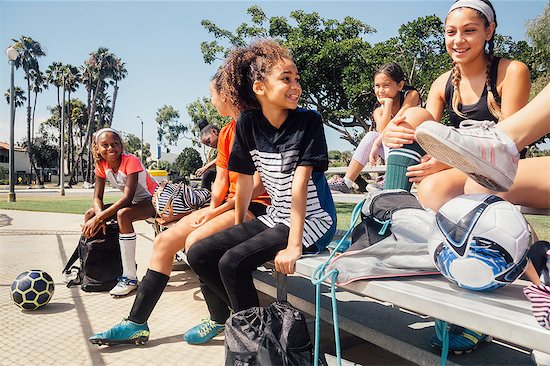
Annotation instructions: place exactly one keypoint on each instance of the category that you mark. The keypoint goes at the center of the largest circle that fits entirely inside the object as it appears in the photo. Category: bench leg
(281, 286)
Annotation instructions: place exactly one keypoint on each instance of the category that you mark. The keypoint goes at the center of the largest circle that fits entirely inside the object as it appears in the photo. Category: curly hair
(244, 66)
(492, 103)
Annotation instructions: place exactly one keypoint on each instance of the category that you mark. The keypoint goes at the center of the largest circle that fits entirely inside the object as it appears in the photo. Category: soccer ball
(32, 289)
(480, 242)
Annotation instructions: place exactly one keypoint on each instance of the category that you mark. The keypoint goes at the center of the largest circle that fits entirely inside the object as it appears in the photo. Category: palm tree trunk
(115, 94)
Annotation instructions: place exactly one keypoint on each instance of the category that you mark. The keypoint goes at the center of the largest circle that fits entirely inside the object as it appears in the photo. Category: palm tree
(29, 52)
(72, 82)
(119, 73)
(39, 83)
(97, 68)
(19, 97)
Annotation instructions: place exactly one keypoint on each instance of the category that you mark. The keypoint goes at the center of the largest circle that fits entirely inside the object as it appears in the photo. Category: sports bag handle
(318, 277)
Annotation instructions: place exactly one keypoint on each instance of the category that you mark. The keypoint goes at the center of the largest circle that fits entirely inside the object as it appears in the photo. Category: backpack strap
(318, 277)
(71, 261)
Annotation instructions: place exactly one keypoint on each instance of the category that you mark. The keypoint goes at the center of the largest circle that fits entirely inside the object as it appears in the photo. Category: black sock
(148, 294)
(397, 162)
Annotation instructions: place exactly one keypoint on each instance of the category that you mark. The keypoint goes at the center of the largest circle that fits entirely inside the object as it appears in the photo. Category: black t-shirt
(275, 153)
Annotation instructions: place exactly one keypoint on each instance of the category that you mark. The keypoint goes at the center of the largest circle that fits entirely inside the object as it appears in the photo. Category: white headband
(479, 5)
(107, 129)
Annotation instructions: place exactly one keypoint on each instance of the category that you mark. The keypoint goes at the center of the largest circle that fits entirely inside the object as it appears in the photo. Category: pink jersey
(130, 164)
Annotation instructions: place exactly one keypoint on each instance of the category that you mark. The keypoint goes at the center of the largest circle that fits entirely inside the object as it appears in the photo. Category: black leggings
(225, 261)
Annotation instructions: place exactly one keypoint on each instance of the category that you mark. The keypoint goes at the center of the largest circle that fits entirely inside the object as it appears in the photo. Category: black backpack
(273, 335)
(100, 261)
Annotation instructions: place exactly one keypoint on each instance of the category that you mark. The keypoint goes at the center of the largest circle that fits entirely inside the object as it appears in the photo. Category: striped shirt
(275, 153)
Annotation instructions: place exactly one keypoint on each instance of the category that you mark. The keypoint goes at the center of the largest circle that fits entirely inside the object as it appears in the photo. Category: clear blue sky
(159, 42)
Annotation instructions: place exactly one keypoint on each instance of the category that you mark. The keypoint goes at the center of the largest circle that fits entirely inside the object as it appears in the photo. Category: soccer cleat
(124, 286)
(477, 148)
(340, 186)
(461, 340)
(125, 332)
(203, 332)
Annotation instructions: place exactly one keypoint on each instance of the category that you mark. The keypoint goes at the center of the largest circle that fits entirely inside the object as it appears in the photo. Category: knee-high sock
(397, 162)
(148, 294)
(128, 255)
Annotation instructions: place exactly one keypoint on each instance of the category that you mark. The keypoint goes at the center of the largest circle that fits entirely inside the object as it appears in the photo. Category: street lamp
(12, 54)
(62, 142)
(141, 139)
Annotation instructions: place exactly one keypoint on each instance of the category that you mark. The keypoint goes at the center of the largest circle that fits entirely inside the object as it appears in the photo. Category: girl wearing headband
(127, 173)
(479, 86)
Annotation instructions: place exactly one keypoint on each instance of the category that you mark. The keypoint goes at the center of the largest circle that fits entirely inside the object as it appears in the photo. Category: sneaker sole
(112, 342)
(122, 295)
(463, 160)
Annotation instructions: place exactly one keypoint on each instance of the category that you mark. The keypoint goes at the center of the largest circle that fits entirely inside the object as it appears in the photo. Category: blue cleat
(203, 332)
(125, 332)
(461, 340)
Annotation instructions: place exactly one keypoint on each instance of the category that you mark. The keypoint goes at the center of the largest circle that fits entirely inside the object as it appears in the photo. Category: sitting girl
(127, 173)
(393, 97)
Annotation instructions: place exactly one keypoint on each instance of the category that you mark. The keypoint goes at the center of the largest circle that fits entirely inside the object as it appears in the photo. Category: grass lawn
(80, 205)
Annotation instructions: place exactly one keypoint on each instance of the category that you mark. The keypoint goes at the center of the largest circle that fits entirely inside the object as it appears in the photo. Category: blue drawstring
(318, 277)
(442, 333)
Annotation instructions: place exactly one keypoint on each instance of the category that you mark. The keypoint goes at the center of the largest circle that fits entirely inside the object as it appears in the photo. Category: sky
(160, 43)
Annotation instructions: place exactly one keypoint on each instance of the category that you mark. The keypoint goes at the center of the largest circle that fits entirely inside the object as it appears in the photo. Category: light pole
(62, 142)
(12, 54)
(141, 139)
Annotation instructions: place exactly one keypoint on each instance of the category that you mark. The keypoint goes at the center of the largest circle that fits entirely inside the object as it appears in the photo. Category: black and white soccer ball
(480, 242)
(32, 289)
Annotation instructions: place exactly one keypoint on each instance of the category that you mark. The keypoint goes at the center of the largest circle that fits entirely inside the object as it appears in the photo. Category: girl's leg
(399, 159)
(204, 258)
(438, 188)
(125, 217)
(238, 263)
(360, 157)
(531, 186)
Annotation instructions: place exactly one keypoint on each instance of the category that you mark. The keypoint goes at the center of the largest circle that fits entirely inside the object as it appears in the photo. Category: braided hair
(244, 66)
(456, 77)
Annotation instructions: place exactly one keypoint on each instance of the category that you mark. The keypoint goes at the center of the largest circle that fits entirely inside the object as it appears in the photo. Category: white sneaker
(124, 286)
(477, 148)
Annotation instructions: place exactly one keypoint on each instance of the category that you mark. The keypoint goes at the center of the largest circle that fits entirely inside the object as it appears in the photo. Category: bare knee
(192, 238)
(165, 246)
(89, 214)
(416, 115)
(430, 193)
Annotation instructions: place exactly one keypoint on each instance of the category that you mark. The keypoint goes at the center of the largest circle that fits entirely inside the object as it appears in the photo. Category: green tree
(18, 97)
(132, 145)
(29, 51)
(119, 72)
(187, 162)
(169, 128)
(538, 33)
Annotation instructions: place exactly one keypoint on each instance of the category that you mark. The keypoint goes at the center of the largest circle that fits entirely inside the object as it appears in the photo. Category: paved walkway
(57, 334)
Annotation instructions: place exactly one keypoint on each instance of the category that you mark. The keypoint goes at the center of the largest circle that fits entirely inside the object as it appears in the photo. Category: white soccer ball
(480, 242)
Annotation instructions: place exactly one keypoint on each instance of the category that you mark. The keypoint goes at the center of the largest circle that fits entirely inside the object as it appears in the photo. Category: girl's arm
(436, 97)
(99, 189)
(243, 196)
(204, 168)
(515, 87)
(373, 155)
(286, 258)
(382, 114)
(219, 187)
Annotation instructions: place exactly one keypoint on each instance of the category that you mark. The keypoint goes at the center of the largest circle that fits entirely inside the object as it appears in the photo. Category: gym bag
(174, 201)
(100, 261)
(273, 335)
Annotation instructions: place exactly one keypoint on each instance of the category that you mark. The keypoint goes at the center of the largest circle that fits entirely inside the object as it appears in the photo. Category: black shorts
(257, 208)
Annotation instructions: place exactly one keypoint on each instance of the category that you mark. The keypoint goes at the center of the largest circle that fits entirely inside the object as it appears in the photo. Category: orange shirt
(225, 143)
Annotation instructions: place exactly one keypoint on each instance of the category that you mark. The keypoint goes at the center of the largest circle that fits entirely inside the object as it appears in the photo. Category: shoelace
(482, 128)
(206, 326)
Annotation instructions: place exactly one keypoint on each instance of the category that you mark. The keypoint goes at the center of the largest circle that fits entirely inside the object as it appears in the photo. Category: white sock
(348, 182)
(512, 148)
(128, 255)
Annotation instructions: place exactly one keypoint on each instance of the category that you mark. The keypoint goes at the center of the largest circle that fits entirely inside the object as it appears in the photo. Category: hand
(386, 102)
(373, 156)
(285, 259)
(395, 136)
(200, 171)
(428, 165)
(205, 216)
(92, 226)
